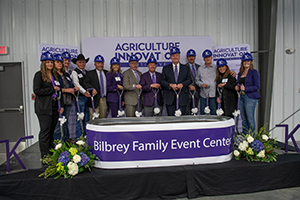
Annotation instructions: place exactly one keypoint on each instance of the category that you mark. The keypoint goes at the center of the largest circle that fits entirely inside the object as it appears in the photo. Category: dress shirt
(207, 75)
(178, 68)
(74, 77)
(104, 80)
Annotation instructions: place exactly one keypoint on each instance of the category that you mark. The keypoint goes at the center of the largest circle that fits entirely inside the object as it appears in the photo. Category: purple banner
(161, 144)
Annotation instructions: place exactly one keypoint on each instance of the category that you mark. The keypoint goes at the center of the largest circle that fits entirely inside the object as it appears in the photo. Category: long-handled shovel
(194, 109)
(61, 118)
(138, 113)
(95, 115)
(79, 114)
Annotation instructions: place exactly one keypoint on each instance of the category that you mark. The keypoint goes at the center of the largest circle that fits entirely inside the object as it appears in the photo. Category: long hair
(112, 71)
(242, 68)
(56, 70)
(44, 72)
(227, 72)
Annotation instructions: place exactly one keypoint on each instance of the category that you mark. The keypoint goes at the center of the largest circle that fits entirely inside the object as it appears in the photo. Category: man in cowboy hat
(78, 76)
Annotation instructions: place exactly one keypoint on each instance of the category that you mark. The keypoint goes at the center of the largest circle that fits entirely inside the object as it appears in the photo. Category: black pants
(171, 108)
(47, 126)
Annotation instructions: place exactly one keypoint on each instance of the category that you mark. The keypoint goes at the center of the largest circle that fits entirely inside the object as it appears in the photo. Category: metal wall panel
(286, 97)
(27, 23)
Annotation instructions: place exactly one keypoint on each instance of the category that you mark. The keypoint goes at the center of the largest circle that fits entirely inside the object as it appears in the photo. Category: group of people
(179, 87)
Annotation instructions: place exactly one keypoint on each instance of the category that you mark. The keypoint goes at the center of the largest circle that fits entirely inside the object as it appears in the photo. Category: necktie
(83, 71)
(194, 70)
(101, 85)
(153, 78)
(137, 77)
(176, 73)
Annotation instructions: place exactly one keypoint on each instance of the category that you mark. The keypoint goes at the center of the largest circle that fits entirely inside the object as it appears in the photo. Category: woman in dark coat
(45, 86)
(226, 94)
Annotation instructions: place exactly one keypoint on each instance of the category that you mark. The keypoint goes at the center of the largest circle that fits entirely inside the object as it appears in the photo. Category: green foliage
(72, 165)
(255, 147)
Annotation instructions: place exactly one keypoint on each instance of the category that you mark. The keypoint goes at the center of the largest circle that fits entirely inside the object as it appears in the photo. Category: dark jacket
(252, 84)
(229, 95)
(43, 90)
(92, 81)
(112, 86)
(148, 92)
(167, 77)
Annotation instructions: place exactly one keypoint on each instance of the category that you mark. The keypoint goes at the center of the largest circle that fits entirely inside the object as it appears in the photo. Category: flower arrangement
(258, 147)
(68, 159)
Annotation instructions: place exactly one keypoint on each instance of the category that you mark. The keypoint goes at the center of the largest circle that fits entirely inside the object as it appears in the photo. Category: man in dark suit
(97, 79)
(195, 89)
(176, 79)
(150, 82)
(132, 88)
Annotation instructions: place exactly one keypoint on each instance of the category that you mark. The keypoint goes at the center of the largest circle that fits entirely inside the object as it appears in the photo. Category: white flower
(243, 146)
(207, 110)
(62, 120)
(95, 115)
(236, 153)
(265, 137)
(236, 113)
(178, 113)
(220, 112)
(138, 114)
(156, 110)
(76, 158)
(80, 142)
(250, 139)
(73, 168)
(194, 110)
(121, 113)
(58, 146)
(261, 154)
(80, 116)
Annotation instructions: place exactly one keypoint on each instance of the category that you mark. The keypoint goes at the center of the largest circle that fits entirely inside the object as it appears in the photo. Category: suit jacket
(130, 93)
(43, 90)
(197, 94)
(252, 84)
(167, 77)
(112, 86)
(148, 92)
(92, 81)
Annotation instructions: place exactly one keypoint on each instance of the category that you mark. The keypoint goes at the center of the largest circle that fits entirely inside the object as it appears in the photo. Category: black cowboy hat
(80, 57)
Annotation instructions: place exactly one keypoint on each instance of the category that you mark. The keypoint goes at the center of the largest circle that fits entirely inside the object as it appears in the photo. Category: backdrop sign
(146, 145)
(57, 48)
(232, 54)
(144, 48)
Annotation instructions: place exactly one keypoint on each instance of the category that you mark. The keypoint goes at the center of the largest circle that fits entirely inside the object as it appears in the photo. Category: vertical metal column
(267, 16)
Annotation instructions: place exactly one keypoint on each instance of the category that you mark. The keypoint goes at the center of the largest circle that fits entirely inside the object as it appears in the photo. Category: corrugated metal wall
(27, 23)
(286, 84)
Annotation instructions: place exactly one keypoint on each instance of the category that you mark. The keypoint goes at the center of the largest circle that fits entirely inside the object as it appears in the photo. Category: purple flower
(64, 157)
(84, 159)
(238, 139)
(257, 145)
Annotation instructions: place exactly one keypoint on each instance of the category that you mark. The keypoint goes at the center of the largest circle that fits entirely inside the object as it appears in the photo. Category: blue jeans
(83, 108)
(212, 105)
(57, 133)
(247, 107)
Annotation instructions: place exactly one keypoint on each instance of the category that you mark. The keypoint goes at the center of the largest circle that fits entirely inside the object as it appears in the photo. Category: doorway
(11, 103)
